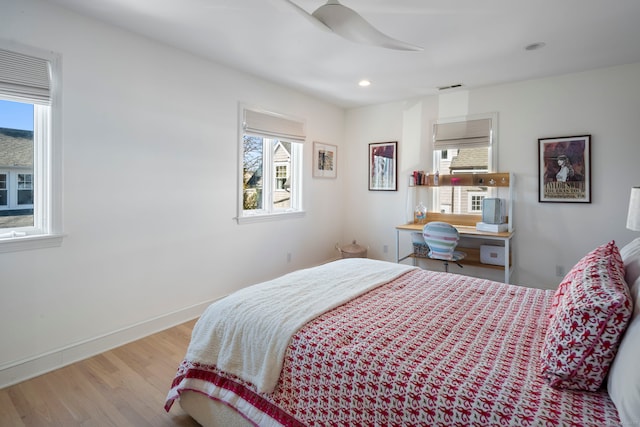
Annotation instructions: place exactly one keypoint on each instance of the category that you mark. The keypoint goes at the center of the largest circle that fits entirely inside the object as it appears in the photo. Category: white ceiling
(469, 42)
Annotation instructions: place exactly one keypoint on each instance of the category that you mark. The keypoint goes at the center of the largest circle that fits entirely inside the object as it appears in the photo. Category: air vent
(450, 86)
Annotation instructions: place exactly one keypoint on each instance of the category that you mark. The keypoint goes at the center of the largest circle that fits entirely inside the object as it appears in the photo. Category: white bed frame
(211, 413)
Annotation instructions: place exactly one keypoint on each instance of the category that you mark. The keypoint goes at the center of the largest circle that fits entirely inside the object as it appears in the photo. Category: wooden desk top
(464, 230)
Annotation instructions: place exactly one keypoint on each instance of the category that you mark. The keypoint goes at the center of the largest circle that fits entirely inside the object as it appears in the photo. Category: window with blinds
(271, 169)
(29, 158)
(466, 144)
(463, 145)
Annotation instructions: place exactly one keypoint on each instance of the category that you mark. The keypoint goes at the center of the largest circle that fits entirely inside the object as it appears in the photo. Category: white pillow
(631, 258)
(624, 375)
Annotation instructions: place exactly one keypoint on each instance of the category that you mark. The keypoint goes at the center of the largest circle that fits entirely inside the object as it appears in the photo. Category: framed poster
(564, 169)
(325, 160)
(383, 166)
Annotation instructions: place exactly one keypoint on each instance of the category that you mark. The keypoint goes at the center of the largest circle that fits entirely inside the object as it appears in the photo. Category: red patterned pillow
(608, 249)
(591, 317)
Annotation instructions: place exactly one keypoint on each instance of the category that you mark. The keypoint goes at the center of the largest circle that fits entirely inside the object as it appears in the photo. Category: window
(25, 189)
(475, 202)
(281, 176)
(4, 201)
(29, 160)
(271, 155)
(464, 145)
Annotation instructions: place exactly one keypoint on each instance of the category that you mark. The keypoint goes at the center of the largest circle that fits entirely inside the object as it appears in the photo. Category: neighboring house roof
(470, 158)
(16, 148)
(256, 178)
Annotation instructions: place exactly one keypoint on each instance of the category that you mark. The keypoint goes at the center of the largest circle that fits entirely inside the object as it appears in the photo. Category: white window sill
(270, 217)
(34, 241)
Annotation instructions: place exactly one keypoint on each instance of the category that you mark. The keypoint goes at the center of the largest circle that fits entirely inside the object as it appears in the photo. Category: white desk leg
(397, 246)
(507, 251)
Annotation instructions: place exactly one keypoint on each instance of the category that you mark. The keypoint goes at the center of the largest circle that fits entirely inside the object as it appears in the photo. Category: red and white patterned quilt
(428, 349)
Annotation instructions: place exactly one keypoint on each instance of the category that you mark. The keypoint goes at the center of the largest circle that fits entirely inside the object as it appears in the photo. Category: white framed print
(325, 160)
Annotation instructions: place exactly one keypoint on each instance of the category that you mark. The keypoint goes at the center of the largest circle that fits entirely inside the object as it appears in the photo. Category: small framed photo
(564, 169)
(383, 166)
(325, 160)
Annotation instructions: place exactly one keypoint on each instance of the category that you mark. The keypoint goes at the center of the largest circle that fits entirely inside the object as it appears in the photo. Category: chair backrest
(442, 239)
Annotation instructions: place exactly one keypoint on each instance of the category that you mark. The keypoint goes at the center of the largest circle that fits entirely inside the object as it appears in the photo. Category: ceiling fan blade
(308, 16)
(349, 24)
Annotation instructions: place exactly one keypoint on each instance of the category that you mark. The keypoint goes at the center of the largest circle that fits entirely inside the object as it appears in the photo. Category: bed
(365, 342)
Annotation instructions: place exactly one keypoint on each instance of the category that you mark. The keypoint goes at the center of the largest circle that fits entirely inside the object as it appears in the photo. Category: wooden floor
(122, 387)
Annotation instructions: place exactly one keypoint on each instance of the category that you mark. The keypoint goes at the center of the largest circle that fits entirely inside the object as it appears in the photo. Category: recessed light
(364, 83)
(535, 46)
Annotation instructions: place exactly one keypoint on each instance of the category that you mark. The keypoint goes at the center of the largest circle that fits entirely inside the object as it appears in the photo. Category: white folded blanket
(247, 333)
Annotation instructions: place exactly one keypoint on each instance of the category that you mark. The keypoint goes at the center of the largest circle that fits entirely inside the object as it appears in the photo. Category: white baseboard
(21, 370)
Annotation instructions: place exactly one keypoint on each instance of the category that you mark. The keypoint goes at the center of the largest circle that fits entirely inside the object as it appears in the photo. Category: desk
(473, 254)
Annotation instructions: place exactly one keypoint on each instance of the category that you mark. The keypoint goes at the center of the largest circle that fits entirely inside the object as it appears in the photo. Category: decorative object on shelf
(383, 166)
(325, 160)
(564, 168)
(633, 216)
(420, 214)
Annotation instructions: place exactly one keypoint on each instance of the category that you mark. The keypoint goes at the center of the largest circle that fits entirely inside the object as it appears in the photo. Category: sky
(16, 115)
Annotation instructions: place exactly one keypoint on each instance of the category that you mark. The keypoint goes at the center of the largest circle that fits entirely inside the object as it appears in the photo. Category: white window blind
(273, 125)
(25, 77)
(464, 134)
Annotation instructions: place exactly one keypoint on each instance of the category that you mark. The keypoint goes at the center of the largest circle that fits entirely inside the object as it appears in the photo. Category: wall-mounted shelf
(500, 179)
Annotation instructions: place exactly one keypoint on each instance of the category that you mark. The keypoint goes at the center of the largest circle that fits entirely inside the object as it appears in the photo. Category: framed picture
(325, 160)
(564, 169)
(383, 166)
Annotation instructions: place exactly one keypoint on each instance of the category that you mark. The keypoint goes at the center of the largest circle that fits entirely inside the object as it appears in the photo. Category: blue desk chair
(442, 239)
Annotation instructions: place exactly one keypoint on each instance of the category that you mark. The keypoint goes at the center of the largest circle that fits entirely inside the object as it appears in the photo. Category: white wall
(604, 103)
(150, 166)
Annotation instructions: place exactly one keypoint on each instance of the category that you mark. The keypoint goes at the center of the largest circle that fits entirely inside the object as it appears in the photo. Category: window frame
(46, 231)
(269, 178)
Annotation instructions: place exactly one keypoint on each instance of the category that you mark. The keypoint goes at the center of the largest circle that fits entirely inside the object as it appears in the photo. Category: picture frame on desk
(564, 169)
(383, 166)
